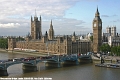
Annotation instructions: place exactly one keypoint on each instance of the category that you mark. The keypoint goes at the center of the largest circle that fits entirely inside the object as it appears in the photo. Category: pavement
(114, 57)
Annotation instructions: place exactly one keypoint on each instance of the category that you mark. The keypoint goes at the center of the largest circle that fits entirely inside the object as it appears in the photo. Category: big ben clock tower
(97, 32)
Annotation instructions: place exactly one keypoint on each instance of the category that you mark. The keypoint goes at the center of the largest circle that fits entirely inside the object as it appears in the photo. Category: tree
(3, 43)
(105, 48)
(115, 50)
(118, 51)
(91, 38)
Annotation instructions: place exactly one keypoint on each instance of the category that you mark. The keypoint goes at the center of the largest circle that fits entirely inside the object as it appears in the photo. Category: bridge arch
(17, 69)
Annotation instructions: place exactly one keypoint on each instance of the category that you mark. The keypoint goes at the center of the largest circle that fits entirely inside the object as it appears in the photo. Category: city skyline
(67, 16)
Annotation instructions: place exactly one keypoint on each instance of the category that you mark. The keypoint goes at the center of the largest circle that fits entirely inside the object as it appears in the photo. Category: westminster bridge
(54, 61)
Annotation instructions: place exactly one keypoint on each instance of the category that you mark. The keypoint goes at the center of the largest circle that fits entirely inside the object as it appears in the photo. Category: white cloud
(64, 25)
(10, 25)
(43, 7)
(17, 13)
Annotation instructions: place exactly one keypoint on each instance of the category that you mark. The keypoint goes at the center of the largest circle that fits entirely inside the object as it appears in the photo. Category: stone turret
(36, 25)
(51, 32)
(45, 38)
(11, 43)
(74, 37)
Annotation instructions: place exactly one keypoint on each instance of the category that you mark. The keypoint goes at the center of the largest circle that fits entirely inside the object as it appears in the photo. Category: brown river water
(76, 72)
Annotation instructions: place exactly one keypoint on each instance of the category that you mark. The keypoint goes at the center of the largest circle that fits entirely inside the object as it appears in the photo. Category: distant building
(114, 41)
(111, 30)
(105, 37)
(89, 35)
(111, 37)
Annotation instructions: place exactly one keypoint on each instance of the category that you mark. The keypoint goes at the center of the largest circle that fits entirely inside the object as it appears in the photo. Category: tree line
(113, 50)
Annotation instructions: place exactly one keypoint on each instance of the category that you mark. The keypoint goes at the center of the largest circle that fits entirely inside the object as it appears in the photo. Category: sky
(67, 15)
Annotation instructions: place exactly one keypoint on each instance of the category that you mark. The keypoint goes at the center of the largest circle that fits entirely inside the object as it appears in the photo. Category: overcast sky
(67, 15)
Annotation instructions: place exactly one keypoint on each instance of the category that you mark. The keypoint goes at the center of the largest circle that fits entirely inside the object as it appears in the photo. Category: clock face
(94, 24)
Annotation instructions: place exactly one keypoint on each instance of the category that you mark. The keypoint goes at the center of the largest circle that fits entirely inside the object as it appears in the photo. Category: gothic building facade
(36, 32)
(97, 32)
(66, 44)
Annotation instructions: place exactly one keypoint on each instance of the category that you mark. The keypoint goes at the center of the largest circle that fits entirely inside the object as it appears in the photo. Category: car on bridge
(16, 59)
(10, 59)
(25, 59)
(31, 58)
(46, 57)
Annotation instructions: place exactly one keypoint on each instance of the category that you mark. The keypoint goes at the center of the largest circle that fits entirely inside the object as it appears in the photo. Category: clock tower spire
(97, 12)
(97, 32)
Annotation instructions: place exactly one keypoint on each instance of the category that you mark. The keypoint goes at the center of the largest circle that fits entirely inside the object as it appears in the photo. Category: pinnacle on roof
(51, 26)
(35, 13)
(97, 12)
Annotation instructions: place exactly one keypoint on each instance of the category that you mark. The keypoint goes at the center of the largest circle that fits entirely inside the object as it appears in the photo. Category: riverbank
(23, 52)
(108, 58)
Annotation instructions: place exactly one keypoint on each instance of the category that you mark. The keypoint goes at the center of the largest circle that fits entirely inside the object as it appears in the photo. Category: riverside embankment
(23, 52)
(113, 58)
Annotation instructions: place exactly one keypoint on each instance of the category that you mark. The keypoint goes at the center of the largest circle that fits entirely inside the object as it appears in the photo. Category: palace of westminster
(64, 44)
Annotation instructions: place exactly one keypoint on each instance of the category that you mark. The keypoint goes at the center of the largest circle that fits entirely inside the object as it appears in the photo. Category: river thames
(76, 72)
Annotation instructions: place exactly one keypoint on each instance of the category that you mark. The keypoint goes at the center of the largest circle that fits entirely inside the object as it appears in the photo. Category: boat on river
(100, 65)
(108, 65)
(116, 66)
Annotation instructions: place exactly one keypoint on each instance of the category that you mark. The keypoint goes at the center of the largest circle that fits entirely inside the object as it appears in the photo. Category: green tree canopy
(3, 43)
(91, 38)
(115, 50)
(105, 48)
